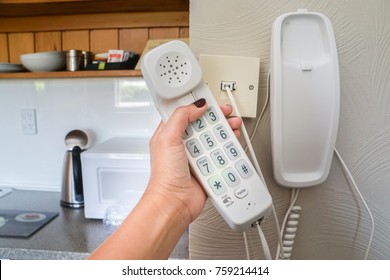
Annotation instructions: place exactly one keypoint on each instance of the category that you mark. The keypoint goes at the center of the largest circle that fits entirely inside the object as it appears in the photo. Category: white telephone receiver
(218, 161)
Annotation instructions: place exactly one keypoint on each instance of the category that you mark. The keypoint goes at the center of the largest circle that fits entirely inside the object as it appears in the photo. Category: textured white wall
(334, 223)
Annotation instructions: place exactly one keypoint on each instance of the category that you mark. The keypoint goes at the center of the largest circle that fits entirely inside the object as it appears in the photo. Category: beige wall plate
(244, 71)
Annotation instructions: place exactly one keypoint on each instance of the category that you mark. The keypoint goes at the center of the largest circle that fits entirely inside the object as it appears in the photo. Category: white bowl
(44, 61)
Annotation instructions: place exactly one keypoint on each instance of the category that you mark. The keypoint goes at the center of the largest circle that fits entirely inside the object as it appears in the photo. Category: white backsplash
(103, 107)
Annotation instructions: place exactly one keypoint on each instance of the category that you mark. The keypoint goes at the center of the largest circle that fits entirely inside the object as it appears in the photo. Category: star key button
(217, 185)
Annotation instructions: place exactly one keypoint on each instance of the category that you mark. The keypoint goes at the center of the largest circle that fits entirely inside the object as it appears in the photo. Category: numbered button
(208, 140)
(199, 124)
(194, 147)
(231, 177)
(219, 158)
(211, 115)
(231, 150)
(243, 169)
(221, 133)
(217, 185)
(188, 132)
(205, 166)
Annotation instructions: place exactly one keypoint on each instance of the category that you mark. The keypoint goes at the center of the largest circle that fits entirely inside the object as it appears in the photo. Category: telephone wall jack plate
(244, 71)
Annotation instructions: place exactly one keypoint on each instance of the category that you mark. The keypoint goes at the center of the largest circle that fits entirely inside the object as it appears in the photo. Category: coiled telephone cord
(290, 232)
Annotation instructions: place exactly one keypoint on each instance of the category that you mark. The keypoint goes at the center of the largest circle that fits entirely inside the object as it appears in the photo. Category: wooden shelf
(68, 74)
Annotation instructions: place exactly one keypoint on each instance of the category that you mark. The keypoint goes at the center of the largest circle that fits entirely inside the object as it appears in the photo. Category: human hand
(172, 200)
(170, 173)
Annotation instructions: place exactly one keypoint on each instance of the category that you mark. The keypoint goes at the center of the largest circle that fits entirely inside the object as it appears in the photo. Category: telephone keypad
(219, 159)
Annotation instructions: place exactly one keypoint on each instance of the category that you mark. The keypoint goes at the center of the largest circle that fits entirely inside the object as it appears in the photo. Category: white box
(115, 172)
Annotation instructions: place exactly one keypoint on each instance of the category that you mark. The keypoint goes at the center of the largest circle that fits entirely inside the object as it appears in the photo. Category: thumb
(183, 116)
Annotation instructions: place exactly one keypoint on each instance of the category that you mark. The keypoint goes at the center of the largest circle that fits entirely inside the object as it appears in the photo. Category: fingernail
(200, 103)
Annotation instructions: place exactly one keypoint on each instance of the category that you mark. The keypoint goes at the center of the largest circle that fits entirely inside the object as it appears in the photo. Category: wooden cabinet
(128, 28)
(37, 1)
(23, 8)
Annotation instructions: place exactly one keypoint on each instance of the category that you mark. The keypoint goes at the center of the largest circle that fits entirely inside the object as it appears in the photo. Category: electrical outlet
(29, 122)
(242, 73)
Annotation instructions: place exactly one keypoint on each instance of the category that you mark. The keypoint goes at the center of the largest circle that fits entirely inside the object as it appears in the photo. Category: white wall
(104, 108)
(334, 223)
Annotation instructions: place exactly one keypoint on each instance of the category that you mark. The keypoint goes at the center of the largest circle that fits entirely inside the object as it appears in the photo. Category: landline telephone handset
(218, 161)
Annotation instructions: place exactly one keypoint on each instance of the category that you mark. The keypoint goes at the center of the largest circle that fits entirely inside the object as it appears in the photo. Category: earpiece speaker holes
(174, 68)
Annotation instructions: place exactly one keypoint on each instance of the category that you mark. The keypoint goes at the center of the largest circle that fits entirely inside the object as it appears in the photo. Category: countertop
(68, 236)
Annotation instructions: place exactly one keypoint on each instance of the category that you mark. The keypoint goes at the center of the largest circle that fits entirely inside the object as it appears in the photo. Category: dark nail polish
(200, 103)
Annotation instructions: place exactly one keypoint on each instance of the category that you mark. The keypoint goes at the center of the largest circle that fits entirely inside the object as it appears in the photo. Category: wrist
(173, 208)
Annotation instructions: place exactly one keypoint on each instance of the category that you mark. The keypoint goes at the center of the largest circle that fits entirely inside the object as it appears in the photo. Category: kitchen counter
(68, 236)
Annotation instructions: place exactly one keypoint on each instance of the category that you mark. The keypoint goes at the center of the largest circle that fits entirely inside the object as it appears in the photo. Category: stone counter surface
(68, 236)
